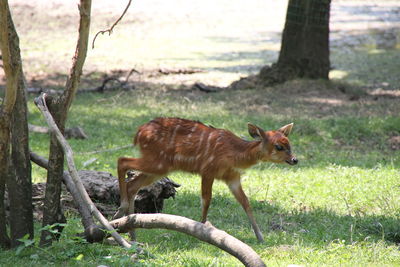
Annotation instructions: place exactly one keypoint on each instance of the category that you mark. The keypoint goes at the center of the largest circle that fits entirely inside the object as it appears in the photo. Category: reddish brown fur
(170, 144)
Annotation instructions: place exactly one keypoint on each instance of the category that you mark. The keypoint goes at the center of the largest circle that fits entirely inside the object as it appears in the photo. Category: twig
(112, 27)
(41, 104)
(130, 73)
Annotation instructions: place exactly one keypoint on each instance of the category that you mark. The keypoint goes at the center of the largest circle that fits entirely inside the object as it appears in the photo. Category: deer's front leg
(236, 188)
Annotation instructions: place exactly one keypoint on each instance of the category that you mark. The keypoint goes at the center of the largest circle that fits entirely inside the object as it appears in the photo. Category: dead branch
(165, 71)
(205, 232)
(130, 73)
(206, 88)
(86, 201)
(112, 27)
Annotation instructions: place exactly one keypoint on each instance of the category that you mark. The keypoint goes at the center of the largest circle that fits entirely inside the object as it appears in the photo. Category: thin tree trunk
(59, 108)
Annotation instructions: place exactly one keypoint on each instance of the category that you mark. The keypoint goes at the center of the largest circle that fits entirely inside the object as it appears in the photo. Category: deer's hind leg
(206, 194)
(129, 189)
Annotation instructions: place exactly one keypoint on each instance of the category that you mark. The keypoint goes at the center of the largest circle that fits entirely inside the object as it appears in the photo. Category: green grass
(338, 207)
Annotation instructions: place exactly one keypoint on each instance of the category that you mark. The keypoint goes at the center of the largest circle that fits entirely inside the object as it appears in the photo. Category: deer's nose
(295, 161)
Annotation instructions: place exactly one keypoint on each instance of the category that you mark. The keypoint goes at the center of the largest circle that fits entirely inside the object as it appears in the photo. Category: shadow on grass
(315, 228)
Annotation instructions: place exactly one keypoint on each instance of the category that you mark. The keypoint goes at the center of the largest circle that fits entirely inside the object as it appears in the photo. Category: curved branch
(205, 232)
(112, 27)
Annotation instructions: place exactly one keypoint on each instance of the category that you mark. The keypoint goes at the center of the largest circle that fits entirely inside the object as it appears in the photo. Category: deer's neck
(249, 154)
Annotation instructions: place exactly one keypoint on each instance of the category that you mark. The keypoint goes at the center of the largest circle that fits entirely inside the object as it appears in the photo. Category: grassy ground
(338, 207)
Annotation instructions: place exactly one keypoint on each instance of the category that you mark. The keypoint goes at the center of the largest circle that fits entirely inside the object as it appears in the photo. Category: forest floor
(338, 207)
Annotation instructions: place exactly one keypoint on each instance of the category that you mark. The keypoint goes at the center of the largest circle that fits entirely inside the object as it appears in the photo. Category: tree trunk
(59, 108)
(52, 213)
(305, 43)
(18, 180)
(19, 183)
(4, 163)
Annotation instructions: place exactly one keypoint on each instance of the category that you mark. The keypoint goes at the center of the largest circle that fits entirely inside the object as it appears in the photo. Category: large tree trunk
(305, 43)
(59, 108)
(4, 163)
(19, 181)
(17, 171)
(5, 118)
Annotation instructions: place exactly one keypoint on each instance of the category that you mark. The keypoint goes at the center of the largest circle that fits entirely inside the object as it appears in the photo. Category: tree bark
(13, 71)
(19, 181)
(59, 108)
(305, 43)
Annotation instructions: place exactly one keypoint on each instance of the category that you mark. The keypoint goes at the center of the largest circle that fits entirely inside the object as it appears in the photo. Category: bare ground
(171, 45)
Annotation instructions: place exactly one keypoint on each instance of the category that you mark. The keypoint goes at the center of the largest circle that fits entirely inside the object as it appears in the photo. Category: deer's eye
(279, 147)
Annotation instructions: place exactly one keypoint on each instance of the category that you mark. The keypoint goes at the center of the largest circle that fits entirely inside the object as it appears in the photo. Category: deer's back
(180, 144)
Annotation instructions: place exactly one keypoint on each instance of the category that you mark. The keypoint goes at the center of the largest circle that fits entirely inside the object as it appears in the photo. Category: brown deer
(171, 144)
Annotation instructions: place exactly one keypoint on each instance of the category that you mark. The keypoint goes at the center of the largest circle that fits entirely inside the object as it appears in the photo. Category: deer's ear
(256, 132)
(286, 129)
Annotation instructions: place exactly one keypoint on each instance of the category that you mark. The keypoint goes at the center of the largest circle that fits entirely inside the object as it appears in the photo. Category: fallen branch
(206, 88)
(205, 232)
(86, 201)
(165, 71)
(112, 27)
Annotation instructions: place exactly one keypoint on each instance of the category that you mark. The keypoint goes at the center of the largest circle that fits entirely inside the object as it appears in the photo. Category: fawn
(170, 144)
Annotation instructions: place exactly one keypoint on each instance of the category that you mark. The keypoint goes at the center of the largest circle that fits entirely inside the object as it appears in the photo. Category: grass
(339, 206)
